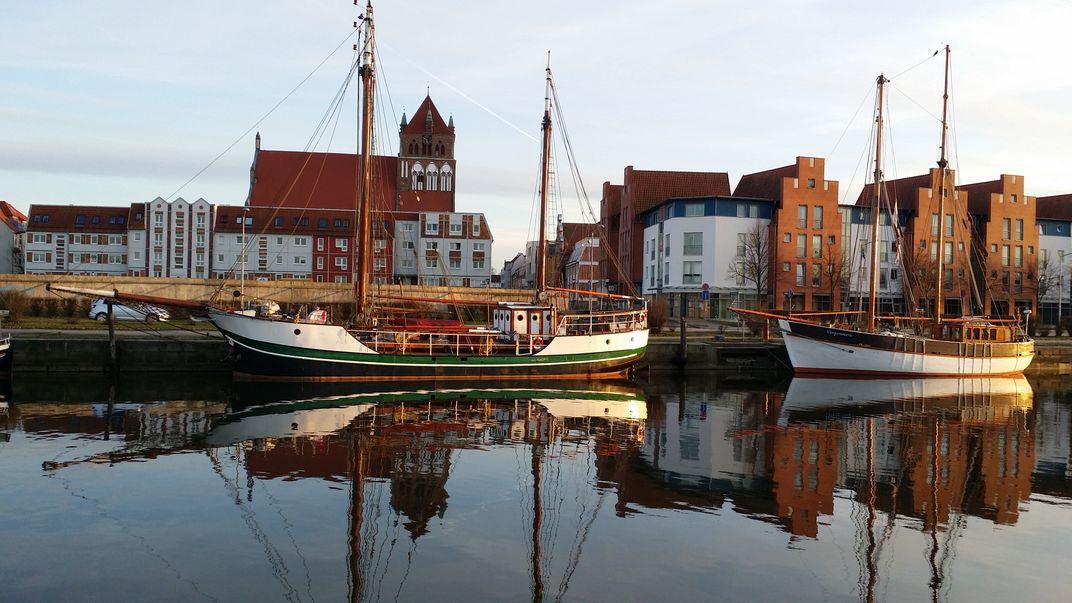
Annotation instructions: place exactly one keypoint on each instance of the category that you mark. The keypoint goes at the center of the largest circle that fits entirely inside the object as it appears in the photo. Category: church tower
(426, 167)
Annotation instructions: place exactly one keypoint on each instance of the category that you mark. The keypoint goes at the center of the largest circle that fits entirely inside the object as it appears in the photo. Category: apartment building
(68, 239)
(695, 244)
(441, 248)
(623, 206)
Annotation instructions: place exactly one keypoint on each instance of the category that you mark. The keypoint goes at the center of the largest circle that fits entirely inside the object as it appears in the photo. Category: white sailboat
(967, 346)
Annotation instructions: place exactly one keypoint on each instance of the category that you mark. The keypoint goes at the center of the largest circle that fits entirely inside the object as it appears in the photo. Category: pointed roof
(11, 217)
(1054, 207)
(421, 118)
(404, 120)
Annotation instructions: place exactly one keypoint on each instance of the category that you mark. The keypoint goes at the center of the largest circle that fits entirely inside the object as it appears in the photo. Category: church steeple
(405, 122)
(426, 159)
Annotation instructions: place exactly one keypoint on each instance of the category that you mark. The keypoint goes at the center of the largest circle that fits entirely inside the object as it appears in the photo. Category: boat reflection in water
(915, 456)
(397, 450)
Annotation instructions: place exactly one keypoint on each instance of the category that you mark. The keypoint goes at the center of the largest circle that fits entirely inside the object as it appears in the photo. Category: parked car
(128, 311)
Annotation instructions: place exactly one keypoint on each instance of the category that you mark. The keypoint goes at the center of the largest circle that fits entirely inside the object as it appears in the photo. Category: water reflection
(472, 474)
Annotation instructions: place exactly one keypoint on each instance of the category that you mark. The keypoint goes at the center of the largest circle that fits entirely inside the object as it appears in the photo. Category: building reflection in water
(922, 453)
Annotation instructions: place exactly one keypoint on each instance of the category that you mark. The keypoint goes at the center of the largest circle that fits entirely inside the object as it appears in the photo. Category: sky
(119, 101)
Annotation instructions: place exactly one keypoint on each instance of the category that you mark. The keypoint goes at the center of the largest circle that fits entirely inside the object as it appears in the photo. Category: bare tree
(921, 278)
(751, 264)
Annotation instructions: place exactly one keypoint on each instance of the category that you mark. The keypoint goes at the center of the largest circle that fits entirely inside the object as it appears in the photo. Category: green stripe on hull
(441, 360)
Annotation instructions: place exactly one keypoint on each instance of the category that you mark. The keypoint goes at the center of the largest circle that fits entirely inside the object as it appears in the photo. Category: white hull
(815, 356)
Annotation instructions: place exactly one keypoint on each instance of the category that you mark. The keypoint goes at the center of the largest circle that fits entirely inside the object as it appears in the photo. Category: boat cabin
(523, 319)
(977, 332)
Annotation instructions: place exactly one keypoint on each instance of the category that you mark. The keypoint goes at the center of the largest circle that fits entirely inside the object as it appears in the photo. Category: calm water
(187, 489)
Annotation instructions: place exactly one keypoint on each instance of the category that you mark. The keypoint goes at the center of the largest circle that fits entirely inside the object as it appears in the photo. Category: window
(478, 264)
(408, 245)
(949, 225)
(1005, 281)
(37, 256)
(379, 244)
(38, 238)
(200, 238)
(320, 243)
(407, 227)
(431, 245)
(738, 272)
(802, 216)
(816, 275)
(322, 223)
(300, 260)
(199, 257)
(1019, 256)
(301, 241)
(934, 251)
(431, 227)
(380, 264)
(219, 257)
(320, 263)
(1019, 229)
(653, 246)
(947, 256)
(1004, 255)
(137, 256)
(1006, 226)
(137, 235)
(340, 278)
(476, 226)
(478, 247)
(802, 245)
(741, 240)
(691, 273)
(118, 259)
(883, 252)
(785, 267)
(342, 244)
(817, 216)
(697, 209)
(934, 225)
(817, 246)
(1018, 283)
(1012, 197)
(158, 218)
(787, 237)
(406, 263)
(431, 262)
(811, 182)
(80, 220)
(340, 262)
(800, 275)
(455, 264)
(693, 243)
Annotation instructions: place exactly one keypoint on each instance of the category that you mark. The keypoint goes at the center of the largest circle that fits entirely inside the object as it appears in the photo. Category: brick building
(804, 234)
(1007, 240)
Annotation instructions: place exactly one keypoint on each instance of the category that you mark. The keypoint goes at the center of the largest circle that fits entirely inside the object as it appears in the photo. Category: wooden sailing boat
(530, 341)
(954, 347)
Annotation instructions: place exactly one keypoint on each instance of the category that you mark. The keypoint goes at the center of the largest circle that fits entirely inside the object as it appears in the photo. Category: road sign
(706, 287)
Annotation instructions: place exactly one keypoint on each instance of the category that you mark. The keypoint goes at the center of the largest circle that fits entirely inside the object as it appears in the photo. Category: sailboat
(538, 340)
(966, 346)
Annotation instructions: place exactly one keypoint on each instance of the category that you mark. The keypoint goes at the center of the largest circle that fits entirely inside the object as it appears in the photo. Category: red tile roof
(979, 195)
(1054, 207)
(646, 189)
(301, 179)
(11, 217)
(65, 218)
(420, 119)
(766, 184)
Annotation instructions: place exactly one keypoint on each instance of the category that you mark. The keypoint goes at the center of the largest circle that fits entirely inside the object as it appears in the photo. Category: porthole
(297, 331)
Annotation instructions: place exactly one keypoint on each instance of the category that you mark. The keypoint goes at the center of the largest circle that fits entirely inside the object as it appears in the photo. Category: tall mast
(942, 172)
(876, 207)
(545, 168)
(364, 201)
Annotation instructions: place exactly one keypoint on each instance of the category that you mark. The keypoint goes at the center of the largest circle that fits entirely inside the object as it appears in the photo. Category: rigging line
(466, 96)
(863, 100)
(288, 528)
(917, 64)
(262, 118)
(916, 103)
